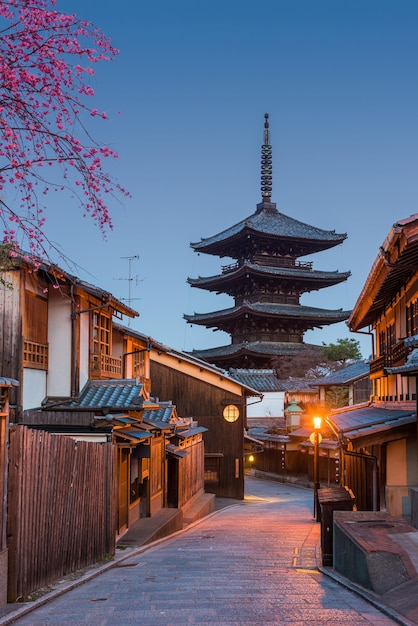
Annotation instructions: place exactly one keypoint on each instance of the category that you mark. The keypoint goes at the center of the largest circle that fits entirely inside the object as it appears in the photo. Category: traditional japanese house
(266, 281)
(216, 401)
(55, 332)
(86, 383)
(379, 439)
(349, 385)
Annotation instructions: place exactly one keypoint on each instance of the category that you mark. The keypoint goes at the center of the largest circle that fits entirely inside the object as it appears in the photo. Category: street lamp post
(316, 439)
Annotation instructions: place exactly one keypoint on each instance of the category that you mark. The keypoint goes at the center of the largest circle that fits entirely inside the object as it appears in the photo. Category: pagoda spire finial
(266, 164)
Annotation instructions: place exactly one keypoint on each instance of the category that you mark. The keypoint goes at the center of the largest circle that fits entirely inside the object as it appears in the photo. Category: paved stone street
(252, 563)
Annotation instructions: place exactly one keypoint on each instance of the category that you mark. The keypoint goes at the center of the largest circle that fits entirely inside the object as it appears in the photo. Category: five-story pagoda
(267, 320)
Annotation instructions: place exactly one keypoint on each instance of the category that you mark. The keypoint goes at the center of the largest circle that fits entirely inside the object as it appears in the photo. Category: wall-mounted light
(231, 413)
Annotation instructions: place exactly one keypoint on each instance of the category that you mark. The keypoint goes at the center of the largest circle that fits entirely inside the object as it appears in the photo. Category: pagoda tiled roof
(268, 221)
(256, 348)
(304, 274)
(290, 311)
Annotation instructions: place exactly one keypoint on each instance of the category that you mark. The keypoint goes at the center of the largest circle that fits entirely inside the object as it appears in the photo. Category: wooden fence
(61, 507)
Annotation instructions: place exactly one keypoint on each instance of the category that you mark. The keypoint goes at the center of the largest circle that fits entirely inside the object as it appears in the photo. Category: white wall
(272, 405)
(34, 388)
(84, 348)
(59, 345)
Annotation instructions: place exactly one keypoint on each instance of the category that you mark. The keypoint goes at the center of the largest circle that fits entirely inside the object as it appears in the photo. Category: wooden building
(55, 332)
(351, 383)
(216, 401)
(87, 381)
(379, 438)
(266, 281)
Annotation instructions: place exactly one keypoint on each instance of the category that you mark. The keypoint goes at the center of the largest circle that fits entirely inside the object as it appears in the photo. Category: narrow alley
(252, 563)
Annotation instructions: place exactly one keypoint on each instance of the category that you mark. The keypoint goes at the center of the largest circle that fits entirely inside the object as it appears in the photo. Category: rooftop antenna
(130, 278)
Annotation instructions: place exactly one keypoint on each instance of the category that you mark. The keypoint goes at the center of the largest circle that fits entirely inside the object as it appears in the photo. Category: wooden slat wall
(61, 507)
(11, 332)
(205, 402)
(191, 472)
(359, 478)
(56, 418)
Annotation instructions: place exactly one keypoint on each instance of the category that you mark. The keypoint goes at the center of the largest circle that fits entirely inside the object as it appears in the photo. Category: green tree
(336, 397)
(343, 351)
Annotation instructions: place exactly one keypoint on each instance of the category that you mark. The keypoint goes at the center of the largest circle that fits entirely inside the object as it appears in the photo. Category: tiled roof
(260, 379)
(271, 222)
(165, 413)
(257, 348)
(266, 380)
(317, 278)
(121, 395)
(396, 263)
(8, 382)
(282, 311)
(359, 369)
(189, 432)
(298, 384)
(365, 421)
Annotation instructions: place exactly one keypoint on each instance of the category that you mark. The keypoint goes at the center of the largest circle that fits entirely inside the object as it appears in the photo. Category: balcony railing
(105, 366)
(379, 364)
(271, 262)
(399, 353)
(35, 355)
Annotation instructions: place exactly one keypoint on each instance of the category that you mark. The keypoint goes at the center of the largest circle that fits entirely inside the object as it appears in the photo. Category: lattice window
(138, 363)
(35, 355)
(386, 340)
(101, 335)
(412, 319)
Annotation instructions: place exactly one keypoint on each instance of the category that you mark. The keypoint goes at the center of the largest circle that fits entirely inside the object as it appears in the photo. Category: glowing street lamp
(316, 439)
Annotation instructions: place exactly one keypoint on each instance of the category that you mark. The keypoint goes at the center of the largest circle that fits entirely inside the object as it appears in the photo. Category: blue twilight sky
(193, 80)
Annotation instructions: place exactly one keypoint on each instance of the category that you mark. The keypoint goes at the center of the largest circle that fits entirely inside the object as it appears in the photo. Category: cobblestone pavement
(250, 564)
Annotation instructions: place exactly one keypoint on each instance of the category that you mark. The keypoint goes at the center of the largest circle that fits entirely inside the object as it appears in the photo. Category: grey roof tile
(261, 379)
(348, 374)
(121, 395)
(358, 422)
(274, 223)
(8, 382)
(279, 310)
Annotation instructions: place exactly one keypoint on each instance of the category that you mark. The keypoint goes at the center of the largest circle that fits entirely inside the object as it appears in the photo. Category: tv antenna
(130, 279)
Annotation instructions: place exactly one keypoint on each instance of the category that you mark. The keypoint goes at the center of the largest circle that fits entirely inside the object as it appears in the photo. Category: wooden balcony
(271, 262)
(399, 353)
(35, 355)
(377, 366)
(105, 366)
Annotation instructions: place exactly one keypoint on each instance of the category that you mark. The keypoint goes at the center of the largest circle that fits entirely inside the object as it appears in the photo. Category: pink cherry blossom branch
(46, 60)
